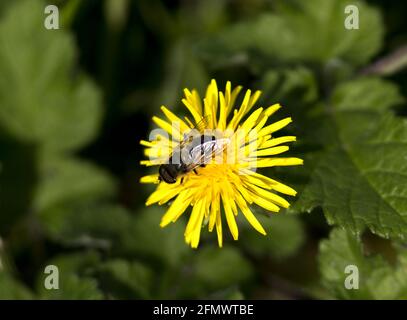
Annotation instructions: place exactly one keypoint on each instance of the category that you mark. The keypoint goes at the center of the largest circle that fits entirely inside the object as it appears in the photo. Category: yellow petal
(272, 109)
(178, 207)
(249, 215)
(268, 195)
(196, 234)
(162, 141)
(194, 100)
(273, 184)
(169, 195)
(230, 218)
(195, 114)
(153, 178)
(256, 181)
(173, 129)
(228, 88)
(158, 152)
(238, 115)
(146, 143)
(173, 118)
(219, 228)
(215, 208)
(211, 103)
(271, 151)
(262, 121)
(276, 141)
(194, 218)
(264, 203)
(246, 195)
(251, 121)
(233, 96)
(273, 162)
(161, 193)
(153, 162)
(275, 126)
(222, 112)
(253, 100)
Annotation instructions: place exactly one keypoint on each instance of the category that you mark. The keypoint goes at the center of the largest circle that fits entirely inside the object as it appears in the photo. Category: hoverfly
(196, 149)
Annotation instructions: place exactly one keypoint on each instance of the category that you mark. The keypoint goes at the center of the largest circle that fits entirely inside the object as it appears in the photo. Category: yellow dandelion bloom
(231, 184)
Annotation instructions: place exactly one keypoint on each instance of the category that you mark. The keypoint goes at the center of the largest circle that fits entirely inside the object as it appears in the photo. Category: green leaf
(183, 69)
(360, 180)
(285, 235)
(221, 267)
(72, 287)
(227, 294)
(64, 180)
(77, 262)
(75, 282)
(289, 34)
(203, 16)
(292, 83)
(18, 178)
(366, 94)
(363, 182)
(213, 270)
(377, 278)
(92, 225)
(11, 289)
(145, 237)
(62, 198)
(126, 280)
(41, 99)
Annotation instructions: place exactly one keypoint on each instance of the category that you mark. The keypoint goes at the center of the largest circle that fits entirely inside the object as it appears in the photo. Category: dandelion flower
(227, 187)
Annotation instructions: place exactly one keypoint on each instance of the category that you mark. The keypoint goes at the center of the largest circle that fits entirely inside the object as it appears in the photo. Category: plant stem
(390, 64)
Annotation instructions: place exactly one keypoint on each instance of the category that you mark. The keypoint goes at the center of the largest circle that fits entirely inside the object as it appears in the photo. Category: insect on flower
(211, 166)
(196, 149)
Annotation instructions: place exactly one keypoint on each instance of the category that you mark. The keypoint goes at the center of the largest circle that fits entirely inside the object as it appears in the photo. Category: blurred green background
(75, 102)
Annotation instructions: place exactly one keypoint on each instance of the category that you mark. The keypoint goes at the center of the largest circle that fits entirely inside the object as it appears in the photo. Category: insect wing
(205, 152)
